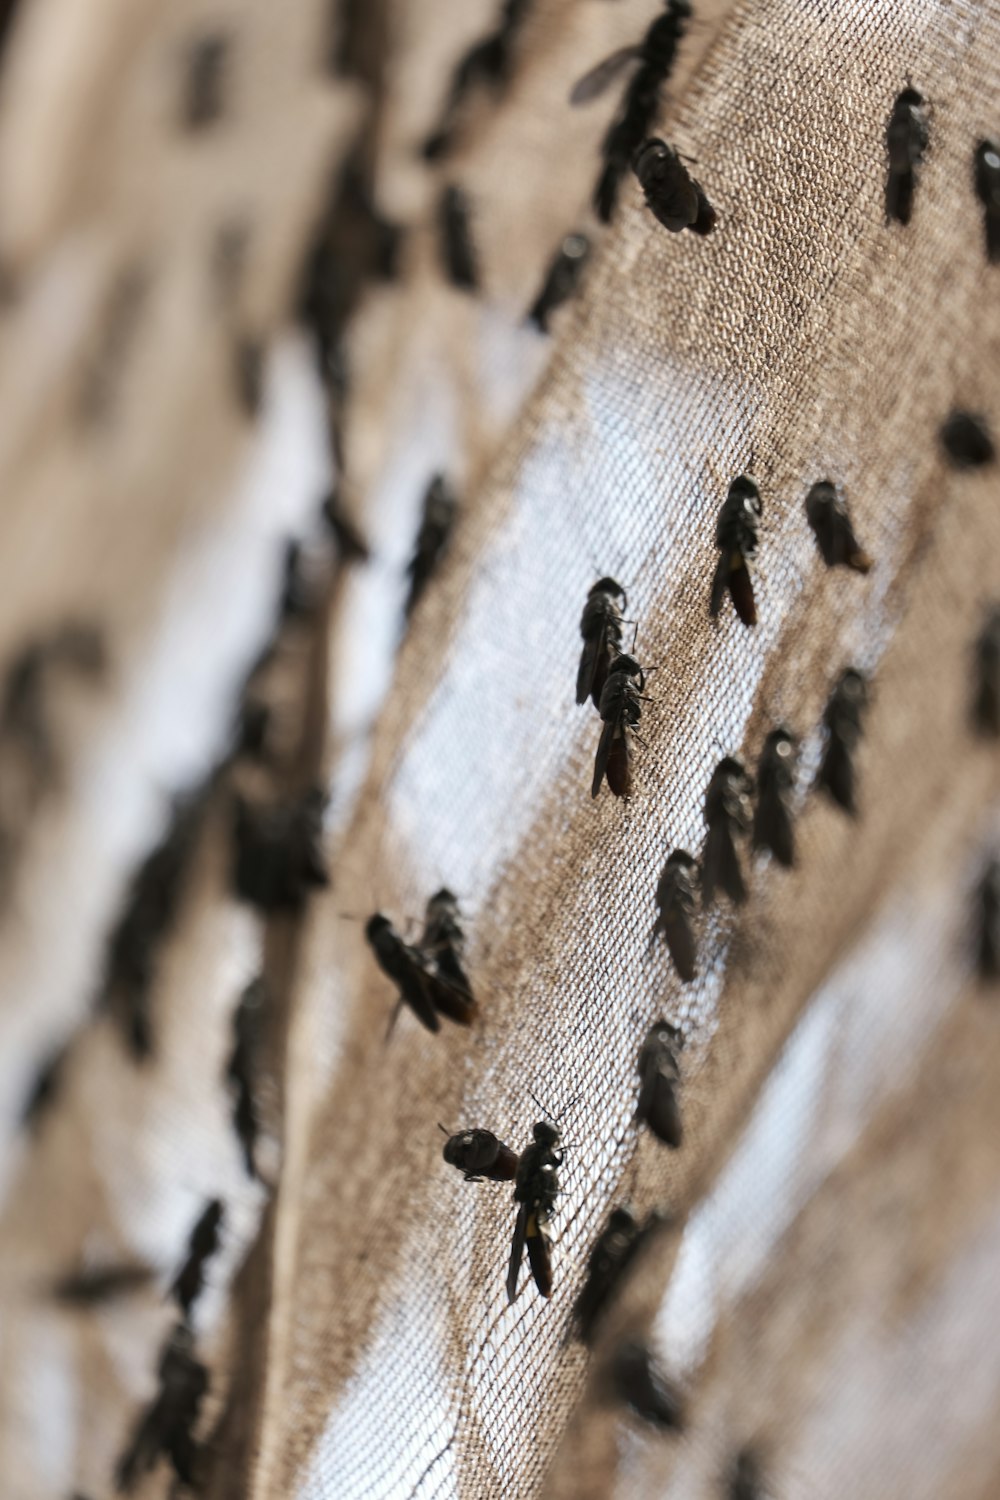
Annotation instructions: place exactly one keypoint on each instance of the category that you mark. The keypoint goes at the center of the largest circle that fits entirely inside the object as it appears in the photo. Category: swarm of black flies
(536, 1187)
(986, 676)
(772, 823)
(967, 441)
(728, 815)
(745, 1479)
(436, 525)
(675, 899)
(203, 1242)
(987, 918)
(479, 1155)
(167, 1426)
(655, 56)
(442, 941)
(419, 986)
(636, 1379)
(906, 137)
(842, 720)
(987, 181)
(458, 253)
(621, 708)
(487, 64)
(95, 1285)
(827, 514)
(561, 279)
(736, 538)
(243, 1069)
(609, 1258)
(673, 196)
(278, 852)
(659, 1083)
(601, 629)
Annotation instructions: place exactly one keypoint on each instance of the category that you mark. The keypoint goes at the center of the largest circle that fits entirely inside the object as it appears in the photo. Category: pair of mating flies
(613, 680)
(429, 976)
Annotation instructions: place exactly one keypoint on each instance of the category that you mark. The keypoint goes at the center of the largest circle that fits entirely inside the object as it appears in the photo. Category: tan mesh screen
(828, 1291)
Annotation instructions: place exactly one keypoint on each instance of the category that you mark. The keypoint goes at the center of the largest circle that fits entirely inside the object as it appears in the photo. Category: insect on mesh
(825, 1288)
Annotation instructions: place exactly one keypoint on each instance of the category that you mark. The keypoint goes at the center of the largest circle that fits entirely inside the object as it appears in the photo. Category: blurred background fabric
(826, 1289)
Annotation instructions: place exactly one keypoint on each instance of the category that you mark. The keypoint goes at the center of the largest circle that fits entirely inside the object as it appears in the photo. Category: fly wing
(601, 759)
(517, 1251)
(664, 1118)
(741, 589)
(619, 769)
(601, 77)
(457, 1004)
(899, 187)
(721, 865)
(594, 651)
(539, 1255)
(414, 989)
(836, 774)
(719, 582)
(676, 927)
(772, 827)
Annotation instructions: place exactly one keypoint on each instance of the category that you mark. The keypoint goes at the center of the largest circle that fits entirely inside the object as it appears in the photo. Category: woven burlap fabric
(827, 1290)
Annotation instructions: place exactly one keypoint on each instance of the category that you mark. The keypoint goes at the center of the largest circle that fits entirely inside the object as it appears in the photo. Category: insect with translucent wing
(487, 63)
(601, 629)
(458, 253)
(536, 1187)
(621, 707)
(736, 539)
(636, 1379)
(479, 1154)
(167, 1427)
(906, 138)
(988, 922)
(987, 181)
(728, 815)
(436, 525)
(425, 992)
(966, 440)
(672, 195)
(443, 941)
(655, 55)
(612, 1253)
(842, 720)
(986, 676)
(561, 279)
(827, 514)
(202, 1245)
(772, 824)
(660, 1077)
(675, 897)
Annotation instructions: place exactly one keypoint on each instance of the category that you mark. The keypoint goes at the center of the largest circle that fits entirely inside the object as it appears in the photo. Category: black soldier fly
(425, 992)
(842, 721)
(673, 196)
(967, 440)
(536, 1187)
(986, 676)
(488, 64)
(167, 1427)
(458, 254)
(637, 1380)
(655, 55)
(443, 942)
(988, 923)
(479, 1154)
(621, 707)
(772, 824)
(987, 181)
(659, 1083)
(601, 629)
(277, 851)
(203, 1242)
(675, 898)
(827, 514)
(728, 815)
(561, 279)
(906, 138)
(607, 1263)
(433, 538)
(736, 539)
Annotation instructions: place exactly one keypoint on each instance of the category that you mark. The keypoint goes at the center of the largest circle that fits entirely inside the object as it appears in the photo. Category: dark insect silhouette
(675, 896)
(745, 1480)
(827, 514)
(205, 83)
(150, 911)
(906, 140)
(536, 1187)
(986, 676)
(659, 1082)
(248, 373)
(31, 684)
(458, 254)
(601, 629)
(243, 1068)
(842, 720)
(655, 55)
(966, 440)
(91, 1287)
(987, 180)
(672, 194)
(443, 941)
(167, 1427)
(433, 538)
(351, 545)
(561, 279)
(988, 923)
(736, 539)
(425, 992)
(728, 815)
(772, 824)
(487, 64)
(479, 1154)
(45, 1088)
(277, 851)
(638, 1382)
(202, 1245)
(607, 1263)
(621, 706)
(301, 583)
